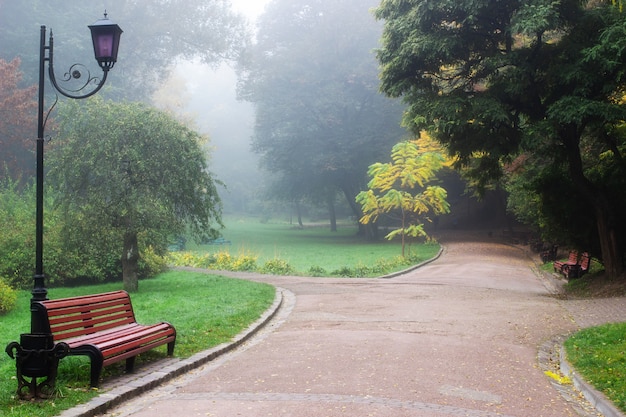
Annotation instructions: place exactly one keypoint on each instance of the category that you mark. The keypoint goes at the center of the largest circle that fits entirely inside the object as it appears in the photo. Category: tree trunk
(331, 212)
(299, 214)
(369, 231)
(130, 260)
(612, 255)
(609, 244)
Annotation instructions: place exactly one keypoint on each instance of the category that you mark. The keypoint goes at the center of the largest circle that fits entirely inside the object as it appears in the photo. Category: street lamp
(106, 40)
(36, 355)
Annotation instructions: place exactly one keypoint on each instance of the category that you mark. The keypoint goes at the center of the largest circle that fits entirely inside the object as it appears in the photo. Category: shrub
(317, 271)
(244, 263)
(361, 271)
(344, 271)
(277, 267)
(223, 261)
(8, 297)
(151, 263)
(17, 228)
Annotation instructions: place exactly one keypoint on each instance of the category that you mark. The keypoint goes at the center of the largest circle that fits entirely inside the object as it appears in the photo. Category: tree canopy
(133, 169)
(312, 76)
(539, 83)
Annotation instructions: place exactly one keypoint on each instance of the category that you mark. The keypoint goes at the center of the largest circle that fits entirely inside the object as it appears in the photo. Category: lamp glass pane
(104, 46)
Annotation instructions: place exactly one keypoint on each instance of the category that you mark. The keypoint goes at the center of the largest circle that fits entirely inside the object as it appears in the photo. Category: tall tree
(134, 169)
(496, 79)
(17, 122)
(312, 77)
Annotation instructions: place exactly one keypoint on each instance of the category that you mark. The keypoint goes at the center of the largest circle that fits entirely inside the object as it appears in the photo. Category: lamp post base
(36, 356)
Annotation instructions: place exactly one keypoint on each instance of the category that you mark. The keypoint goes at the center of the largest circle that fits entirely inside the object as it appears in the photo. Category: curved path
(456, 337)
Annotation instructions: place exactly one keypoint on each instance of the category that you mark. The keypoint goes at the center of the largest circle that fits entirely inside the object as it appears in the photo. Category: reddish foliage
(18, 122)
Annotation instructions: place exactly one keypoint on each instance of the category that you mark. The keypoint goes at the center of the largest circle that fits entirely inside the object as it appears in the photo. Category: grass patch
(281, 248)
(205, 309)
(598, 354)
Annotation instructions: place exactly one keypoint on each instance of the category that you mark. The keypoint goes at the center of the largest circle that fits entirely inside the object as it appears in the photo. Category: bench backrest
(573, 257)
(585, 261)
(78, 316)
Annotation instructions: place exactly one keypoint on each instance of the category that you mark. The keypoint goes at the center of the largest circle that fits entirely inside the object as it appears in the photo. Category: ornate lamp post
(36, 355)
(106, 40)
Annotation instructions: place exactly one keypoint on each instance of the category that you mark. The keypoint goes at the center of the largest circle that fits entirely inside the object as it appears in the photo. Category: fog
(314, 114)
(210, 100)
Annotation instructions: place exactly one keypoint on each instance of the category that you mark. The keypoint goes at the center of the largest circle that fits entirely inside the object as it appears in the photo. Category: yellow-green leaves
(399, 189)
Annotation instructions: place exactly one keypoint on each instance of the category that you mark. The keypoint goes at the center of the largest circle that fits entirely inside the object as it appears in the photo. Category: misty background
(314, 76)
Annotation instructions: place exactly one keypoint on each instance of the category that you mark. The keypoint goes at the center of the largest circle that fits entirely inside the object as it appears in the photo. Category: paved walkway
(459, 336)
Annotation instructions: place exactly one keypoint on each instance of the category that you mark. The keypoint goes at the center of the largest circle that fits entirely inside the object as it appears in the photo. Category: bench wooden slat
(86, 316)
(137, 332)
(129, 355)
(93, 299)
(100, 309)
(103, 327)
(62, 332)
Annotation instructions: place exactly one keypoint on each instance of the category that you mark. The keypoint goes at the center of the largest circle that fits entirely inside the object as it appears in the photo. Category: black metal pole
(39, 291)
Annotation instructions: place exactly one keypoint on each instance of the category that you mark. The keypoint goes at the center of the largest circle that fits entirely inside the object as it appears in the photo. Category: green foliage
(8, 297)
(244, 262)
(142, 179)
(277, 267)
(70, 255)
(597, 353)
(513, 87)
(317, 271)
(345, 271)
(151, 263)
(156, 181)
(380, 267)
(18, 233)
(221, 260)
(225, 261)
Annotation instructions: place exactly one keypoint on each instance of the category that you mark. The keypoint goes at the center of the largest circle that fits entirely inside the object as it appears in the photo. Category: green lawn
(205, 309)
(311, 246)
(599, 356)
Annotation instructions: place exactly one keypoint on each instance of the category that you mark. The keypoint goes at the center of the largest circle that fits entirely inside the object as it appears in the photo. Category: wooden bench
(219, 241)
(549, 254)
(571, 260)
(574, 267)
(579, 269)
(103, 327)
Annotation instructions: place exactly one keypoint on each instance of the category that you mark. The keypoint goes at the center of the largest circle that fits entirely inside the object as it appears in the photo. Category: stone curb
(596, 398)
(168, 369)
(426, 262)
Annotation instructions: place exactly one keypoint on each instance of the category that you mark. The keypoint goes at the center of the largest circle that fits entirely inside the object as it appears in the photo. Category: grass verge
(598, 354)
(205, 309)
